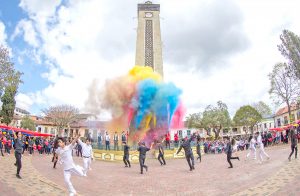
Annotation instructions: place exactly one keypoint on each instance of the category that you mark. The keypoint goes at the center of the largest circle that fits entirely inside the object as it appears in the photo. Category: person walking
(126, 154)
(294, 146)
(87, 154)
(18, 152)
(261, 147)
(229, 150)
(142, 155)
(186, 145)
(252, 149)
(161, 153)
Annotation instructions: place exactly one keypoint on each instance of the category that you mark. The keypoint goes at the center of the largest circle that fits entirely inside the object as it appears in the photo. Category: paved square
(211, 177)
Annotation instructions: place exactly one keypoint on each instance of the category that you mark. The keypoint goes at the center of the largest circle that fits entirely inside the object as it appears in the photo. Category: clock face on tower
(148, 14)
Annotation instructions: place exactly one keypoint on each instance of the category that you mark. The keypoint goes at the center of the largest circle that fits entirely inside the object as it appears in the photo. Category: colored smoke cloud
(143, 104)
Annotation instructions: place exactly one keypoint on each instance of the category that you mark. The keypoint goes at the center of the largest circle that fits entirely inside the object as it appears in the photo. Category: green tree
(290, 49)
(8, 104)
(28, 123)
(247, 116)
(194, 120)
(216, 117)
(8, 75)
(262, 108)
(284, 88)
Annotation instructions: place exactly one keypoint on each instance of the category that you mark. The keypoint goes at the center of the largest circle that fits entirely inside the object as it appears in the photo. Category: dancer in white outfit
(65, 153)
(87, 154)
(252, 148)
(261, 147)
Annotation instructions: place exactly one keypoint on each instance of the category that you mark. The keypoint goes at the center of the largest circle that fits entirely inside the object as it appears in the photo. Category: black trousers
(161, 156)
(30, 150)
(199, 156)
(107, 147)
(79, 151)
(142, 162)
(18, 161)
(168, 144)
(126, 160)
(294, 148)
(1, 151)
(229, 157)
(190, 160)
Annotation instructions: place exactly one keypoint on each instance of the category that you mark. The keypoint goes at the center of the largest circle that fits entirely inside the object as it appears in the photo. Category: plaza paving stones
(276, 176)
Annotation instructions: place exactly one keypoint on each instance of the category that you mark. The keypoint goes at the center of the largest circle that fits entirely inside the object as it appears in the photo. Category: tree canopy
(262, 108)
(284, 88)
(216, 118)
(290, 49)
(28, 123)
(247, 116)
(194, 120)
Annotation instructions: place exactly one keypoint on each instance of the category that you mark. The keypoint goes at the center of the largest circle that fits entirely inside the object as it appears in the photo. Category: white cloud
(3, 35)
(24, 101)
(26, 27)
(83, 40)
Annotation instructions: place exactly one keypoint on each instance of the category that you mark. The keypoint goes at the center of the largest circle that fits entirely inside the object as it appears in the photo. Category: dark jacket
(186, 146)
(143, 150)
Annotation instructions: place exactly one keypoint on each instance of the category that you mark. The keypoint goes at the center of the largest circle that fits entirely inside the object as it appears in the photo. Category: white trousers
(78, 170)
(262, 152)
(86, 164)
(252, 151)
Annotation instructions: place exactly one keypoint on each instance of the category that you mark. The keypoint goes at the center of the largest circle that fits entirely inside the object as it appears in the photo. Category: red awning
(24, 131)
(276, 129)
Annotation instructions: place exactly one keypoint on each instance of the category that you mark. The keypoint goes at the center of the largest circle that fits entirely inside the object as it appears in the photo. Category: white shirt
(87, 150)
(252, 143)
(107, 138)
(259, 141)
(66, 156)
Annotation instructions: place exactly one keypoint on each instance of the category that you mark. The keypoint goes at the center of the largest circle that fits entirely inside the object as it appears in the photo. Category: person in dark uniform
(198, 147)
(142, 155)
(229, 151)
(294, 141)
(186, 145)
(18, 144)
(161, 153)
(126, 154)
(55, 156)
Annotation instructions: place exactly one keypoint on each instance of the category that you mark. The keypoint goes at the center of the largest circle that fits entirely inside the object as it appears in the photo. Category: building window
(270, 125)
(292, 118)
(234, 130)
(225, 131)
(39, 129)
(46, 130)
(286, 121)
(188, 132)
(180, 133)
(265, 125)
(278, 122)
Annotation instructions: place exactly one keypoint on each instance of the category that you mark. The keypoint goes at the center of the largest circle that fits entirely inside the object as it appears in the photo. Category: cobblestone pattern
(32, 182)
(288, 174)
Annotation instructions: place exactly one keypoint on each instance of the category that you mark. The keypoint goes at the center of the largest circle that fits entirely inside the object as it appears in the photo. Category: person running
(18, 152)
(126, 154)
(87, 154)
(261, 147)
(55, 156)
(294, 141)
(198, 148)
(252, 149)
(1, 146)
(229, 150)
(186, 145)
(142, 155)
(161, 153)
(65, 153)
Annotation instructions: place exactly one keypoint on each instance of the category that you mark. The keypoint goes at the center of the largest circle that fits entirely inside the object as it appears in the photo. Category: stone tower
(148, 42)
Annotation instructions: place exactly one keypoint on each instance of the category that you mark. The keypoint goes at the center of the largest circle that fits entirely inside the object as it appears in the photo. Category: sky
(213, 50)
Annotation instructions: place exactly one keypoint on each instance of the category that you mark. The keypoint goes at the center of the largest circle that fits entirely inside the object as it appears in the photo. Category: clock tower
(148, 42)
